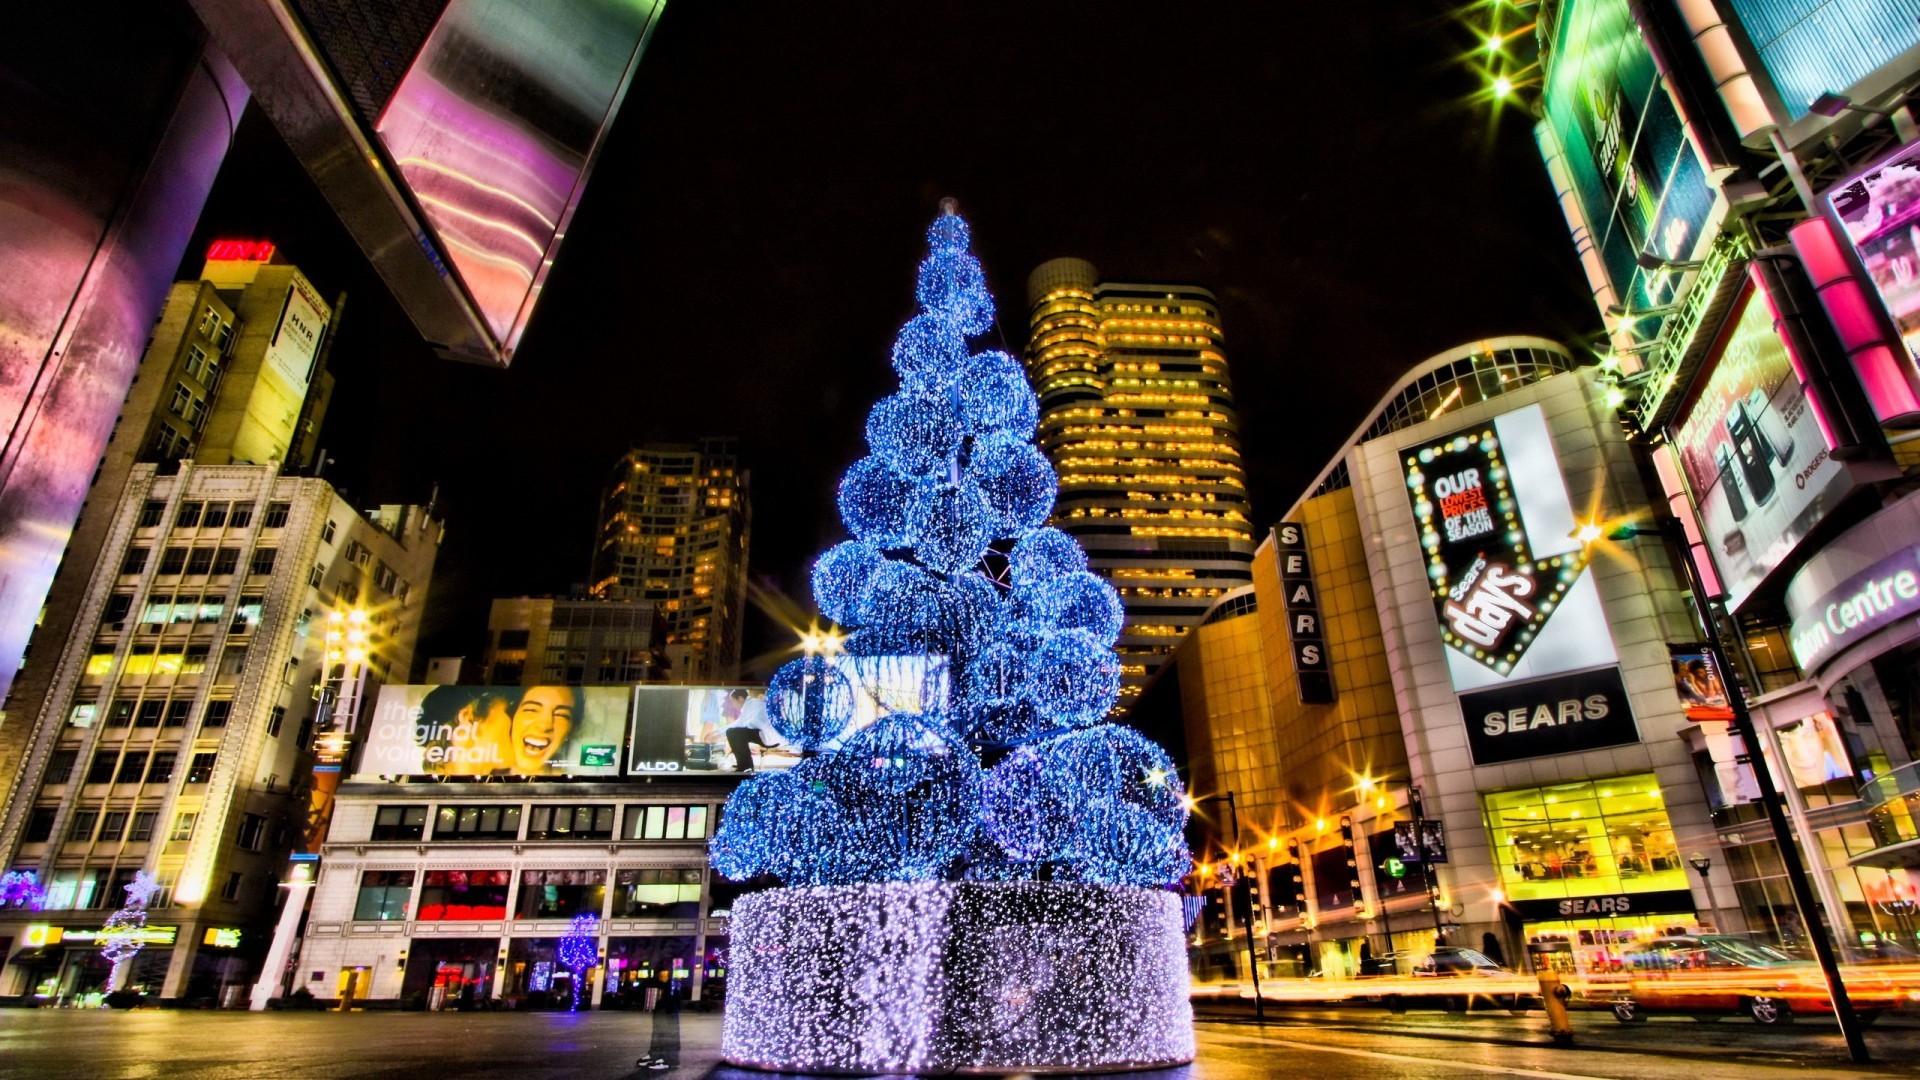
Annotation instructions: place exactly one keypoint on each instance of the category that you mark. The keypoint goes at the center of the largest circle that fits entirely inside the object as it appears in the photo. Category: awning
(45, 954)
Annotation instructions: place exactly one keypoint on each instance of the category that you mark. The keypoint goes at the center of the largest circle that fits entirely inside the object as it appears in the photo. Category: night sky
(746, 249)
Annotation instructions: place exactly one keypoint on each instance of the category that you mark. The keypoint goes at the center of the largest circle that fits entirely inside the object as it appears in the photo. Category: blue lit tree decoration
(580, 951)
(951, 563)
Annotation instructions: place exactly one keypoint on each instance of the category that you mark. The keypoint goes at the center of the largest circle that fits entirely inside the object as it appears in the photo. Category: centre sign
(1870, 600)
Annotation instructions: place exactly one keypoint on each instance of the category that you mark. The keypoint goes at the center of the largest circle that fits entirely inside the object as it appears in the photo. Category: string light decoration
(810, 701)
(20, 889)
(936, 914)
(122, 938)
(938, 977)
(580, 951)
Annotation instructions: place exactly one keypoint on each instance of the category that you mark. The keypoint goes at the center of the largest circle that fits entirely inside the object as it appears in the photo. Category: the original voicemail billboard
(1527, 643)
(507, 731)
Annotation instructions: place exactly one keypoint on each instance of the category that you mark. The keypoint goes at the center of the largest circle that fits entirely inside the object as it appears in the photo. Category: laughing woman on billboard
(543, 721)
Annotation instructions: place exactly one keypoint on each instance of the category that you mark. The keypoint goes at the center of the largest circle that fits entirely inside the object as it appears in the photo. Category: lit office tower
(673, 530)
(1136, 412)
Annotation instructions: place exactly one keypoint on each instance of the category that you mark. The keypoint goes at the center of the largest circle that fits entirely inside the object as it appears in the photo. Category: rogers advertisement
(1753, 454)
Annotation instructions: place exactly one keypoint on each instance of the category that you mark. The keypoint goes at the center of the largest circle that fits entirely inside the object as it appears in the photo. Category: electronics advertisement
(1753, 455)
(1880, 213)
(502, 731)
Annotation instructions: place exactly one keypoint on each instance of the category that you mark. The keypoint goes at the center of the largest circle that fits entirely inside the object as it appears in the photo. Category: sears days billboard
(1527, 643)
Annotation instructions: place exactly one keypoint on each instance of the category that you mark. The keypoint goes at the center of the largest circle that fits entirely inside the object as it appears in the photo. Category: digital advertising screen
(1880, 213)
(704, 729)
(502, 731)
(1752, 453)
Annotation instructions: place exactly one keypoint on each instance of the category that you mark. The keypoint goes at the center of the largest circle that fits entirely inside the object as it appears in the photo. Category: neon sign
(240, 251)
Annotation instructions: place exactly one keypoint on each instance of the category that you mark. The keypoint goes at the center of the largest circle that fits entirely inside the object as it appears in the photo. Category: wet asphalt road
(168, 1045)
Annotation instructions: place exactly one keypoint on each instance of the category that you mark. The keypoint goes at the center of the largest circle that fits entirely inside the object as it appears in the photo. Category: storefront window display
(464, 895)
(561, 894)
(535, 977)
(450, 973)
(1586, 838)
(658, 893)
(641, 966)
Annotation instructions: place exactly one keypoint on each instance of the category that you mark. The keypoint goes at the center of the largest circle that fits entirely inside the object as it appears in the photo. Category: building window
(657, 894)
(200, 561)
(150, 713)
(231, 890)
(183, 826)
(189, 515)
(100, 660)
(464, 895)
(143, 822)
(135, 562)
(200, 770)
(120, 713)
(80, 829)
(571, 823)
(253, 829)
(262, 561)
(276, 716)
(276, 515)
(241, 517)
(178, 708)
(226, 560)
(400, 823)
(173, 560)
(666, 822)
(246, 615)
(513, 639)
(118, 605)
(100, 769)
(1590, 837)
(233, 661)
(113, 826)
(160, 769)
(477, 823)
(561, 894)
(60, 765)
(383, 895)
(151, 512)
(39, 825)
(326, 532)
(132, 767)
(84, 713)
(215, 517)
(217, 713)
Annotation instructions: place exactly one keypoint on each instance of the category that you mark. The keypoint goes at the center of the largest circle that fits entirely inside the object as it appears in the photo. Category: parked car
(1712, 976)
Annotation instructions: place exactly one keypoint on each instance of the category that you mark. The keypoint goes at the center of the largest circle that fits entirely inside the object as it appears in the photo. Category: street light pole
(1702, 865)
(1770, 799)
(1253, 959)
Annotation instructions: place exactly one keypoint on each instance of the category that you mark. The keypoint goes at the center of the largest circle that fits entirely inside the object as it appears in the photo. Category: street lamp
(1701, 864)
(1770, 800)
(1253, 959)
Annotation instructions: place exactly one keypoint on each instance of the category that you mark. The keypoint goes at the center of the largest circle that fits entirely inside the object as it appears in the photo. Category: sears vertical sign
(1304, 629)
(1527, 644)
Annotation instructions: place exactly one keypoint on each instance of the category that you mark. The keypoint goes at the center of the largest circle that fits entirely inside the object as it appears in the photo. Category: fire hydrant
(1554, 996)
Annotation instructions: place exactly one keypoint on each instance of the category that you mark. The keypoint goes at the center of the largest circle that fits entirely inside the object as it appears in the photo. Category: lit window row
(1164, 530)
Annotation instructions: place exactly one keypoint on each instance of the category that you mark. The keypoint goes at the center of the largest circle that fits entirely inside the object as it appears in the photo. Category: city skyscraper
(1136, 413)
(674, 524)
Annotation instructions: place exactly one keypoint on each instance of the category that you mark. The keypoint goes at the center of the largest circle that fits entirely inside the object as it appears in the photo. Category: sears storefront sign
(1527, 643)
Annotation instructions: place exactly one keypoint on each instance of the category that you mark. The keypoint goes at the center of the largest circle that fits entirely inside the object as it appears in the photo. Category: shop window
(561, 894)
(383, 895)
(477, 823)
(657, 893)
(399, 823)
(60, 765)
(571, 823)
(666, 822)
(464, 895)
(1590, 837)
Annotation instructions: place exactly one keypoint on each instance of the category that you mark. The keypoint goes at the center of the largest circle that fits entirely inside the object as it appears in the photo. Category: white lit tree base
(971, 977)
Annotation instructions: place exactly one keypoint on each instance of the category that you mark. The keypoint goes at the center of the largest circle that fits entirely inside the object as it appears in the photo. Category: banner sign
(1703, 694)
(1310, 667)
(1875, 598)
(1617, 905)
(1560, 715)
(504, 731)
(1432, 846)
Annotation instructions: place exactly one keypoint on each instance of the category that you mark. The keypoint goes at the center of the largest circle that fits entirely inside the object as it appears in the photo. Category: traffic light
(1353, 856)
(1291, 887)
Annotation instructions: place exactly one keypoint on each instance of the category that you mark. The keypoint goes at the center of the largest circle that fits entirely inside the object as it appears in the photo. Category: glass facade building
(1137, 415)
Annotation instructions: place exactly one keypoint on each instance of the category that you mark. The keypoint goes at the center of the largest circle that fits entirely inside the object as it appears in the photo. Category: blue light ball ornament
(1018, 481)
(949, 235)
(905, 797)
(840, 576)
(914, 433)
(902, 604)
(929, 353)
(952, 287)
(975, 606)
(766, 824)
(1075, 678)
(809, 701)
(874, 503)
(995, 399)
(1118, 843)
(953, 525)
(1081, 601)
(1042, 555)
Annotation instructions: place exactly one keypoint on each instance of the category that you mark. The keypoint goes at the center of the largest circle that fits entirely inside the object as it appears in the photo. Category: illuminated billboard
(503, 731)
(1880, 212)
(1752, 453)
(1527, 643)
(704, 729)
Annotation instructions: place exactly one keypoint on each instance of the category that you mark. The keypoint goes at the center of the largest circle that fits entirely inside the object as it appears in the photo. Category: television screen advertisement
(1880, 213)
(704, 729)
(498, 731)
(1752, 453)
(1518, 613)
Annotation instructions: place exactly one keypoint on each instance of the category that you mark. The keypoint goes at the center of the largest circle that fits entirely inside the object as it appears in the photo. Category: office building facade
(674, 531)
(539, 639)
(176, 735)
(1137, 416)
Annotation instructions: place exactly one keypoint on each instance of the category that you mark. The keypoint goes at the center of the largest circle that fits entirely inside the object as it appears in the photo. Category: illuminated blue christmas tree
(952, 578)
(580, 951)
